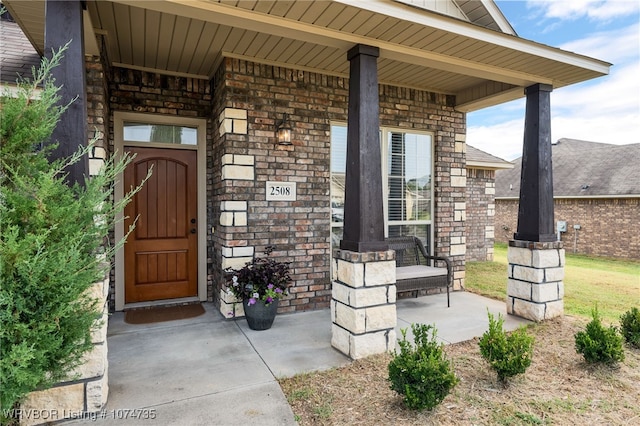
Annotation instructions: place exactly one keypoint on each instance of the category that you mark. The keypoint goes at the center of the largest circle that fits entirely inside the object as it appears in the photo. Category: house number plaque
(281, 191)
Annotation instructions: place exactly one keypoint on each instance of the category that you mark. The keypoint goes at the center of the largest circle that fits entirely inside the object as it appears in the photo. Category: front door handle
(193, 230)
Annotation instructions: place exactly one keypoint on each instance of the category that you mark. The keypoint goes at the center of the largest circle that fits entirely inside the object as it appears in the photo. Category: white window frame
(119, 119)
(384, 149)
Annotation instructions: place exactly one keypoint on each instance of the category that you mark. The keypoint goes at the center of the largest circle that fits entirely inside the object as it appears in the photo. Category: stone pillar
(536, 260)
(86, 389)
(535, 289)
(363, 305)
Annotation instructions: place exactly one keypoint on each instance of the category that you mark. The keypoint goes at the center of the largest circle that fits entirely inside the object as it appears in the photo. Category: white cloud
(595, 10)
(613, 46)
(602, 110)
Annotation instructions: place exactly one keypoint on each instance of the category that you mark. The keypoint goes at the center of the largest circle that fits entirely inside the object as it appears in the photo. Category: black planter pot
(260, 316)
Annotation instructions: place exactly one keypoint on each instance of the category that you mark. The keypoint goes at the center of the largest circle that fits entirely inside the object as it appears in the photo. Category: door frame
(119, 117)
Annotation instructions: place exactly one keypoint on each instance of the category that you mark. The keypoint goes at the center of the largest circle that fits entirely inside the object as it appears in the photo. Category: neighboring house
(481, 208)
(596, 189)
(198, 89)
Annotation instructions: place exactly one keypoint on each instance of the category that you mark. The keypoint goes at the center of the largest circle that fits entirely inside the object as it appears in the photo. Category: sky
(606, 109)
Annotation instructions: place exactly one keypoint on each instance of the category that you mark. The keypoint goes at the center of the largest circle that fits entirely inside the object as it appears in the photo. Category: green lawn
(611, 283)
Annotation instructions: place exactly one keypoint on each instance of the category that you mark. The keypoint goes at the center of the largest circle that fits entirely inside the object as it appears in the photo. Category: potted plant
(260, 284)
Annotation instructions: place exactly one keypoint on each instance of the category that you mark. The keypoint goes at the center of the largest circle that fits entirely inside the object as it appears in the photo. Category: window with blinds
(407, 164)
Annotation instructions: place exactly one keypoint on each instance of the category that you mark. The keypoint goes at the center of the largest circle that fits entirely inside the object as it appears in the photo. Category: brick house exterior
(481, 209)
(299, 230)
(596, 188)
(223, 74)
(241, 97)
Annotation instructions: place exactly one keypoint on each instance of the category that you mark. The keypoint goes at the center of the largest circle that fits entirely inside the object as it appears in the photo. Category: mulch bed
(559, 388)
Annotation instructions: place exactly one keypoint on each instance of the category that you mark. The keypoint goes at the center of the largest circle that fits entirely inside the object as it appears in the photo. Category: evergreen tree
(53, 243)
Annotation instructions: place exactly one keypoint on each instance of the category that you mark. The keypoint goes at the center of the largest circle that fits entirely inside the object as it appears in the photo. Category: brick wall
(480, 214)
(300, 229)
(609, 226)
(242, 104)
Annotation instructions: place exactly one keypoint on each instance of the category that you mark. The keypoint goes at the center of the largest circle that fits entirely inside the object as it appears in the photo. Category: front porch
(208, 370)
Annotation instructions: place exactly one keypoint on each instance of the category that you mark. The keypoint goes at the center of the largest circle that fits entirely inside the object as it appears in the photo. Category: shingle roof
(17, 56)
(477, 159)
(583, 169)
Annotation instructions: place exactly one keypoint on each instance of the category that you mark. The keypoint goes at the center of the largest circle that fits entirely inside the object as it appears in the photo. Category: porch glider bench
(416, 269)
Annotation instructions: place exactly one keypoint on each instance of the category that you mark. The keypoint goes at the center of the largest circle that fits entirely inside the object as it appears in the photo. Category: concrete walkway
(211, 371)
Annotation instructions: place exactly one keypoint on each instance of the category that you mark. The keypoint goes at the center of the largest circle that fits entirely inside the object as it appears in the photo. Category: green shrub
(630, 326)
(598, 343)
(421, 374)
(508, 355)
(51, 244)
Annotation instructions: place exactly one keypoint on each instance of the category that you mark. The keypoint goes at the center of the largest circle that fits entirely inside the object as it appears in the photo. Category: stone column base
(230, 305)
(363, 305)
(535, 289)
(85, 391)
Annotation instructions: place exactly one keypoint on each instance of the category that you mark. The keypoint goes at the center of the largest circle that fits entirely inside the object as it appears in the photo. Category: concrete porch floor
(212, 371)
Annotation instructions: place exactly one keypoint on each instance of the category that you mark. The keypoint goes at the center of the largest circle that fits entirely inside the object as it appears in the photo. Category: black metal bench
(416, 269)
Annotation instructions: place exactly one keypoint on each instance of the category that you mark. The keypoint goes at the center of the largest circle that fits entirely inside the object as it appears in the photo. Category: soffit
(418, 48)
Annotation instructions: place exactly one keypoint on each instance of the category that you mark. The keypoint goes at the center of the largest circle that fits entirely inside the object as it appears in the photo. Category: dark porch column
(363, 212)
(535, 212)
(63, 23)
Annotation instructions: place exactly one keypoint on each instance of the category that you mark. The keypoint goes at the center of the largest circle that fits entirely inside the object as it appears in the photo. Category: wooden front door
(161, 259)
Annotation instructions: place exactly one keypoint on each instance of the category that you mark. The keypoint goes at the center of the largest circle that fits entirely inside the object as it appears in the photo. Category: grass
(612, 284)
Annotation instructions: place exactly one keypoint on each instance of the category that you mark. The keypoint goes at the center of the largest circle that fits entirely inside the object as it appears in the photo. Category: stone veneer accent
(535, 290)
(480, 228)
(87, 387)
(363, 305)
(609, 227)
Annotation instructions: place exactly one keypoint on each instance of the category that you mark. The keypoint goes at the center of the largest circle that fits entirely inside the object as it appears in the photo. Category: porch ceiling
(418, 48)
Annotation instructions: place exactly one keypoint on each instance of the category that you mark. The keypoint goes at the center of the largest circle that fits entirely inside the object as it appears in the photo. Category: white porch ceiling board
(314, 35)
(123, 26)
(152, 31)
(366, 22)
(200, 59)
(314, 11)
(282, 46)
(418, 49)
(337, 62)
(137, 18)
(340, 21)
(296, 10)
(192, 40)
(262, 45)
(325, 55)
(177, 47)
(219, 39)
(280, 8)
(335, 15)
(167, 22)
(264, 6)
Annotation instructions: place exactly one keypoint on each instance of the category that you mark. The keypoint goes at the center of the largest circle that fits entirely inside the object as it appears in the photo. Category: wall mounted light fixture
(283, 130)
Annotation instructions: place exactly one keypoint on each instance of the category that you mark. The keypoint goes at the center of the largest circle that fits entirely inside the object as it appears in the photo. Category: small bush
(599, 343)
(508, 355)
(421, 374)
(630, 325)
